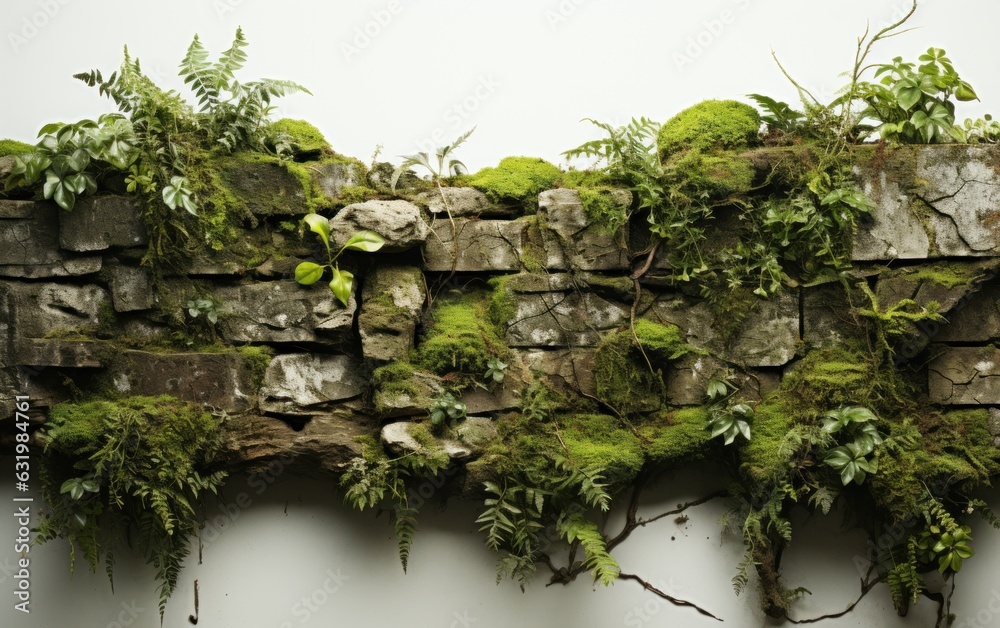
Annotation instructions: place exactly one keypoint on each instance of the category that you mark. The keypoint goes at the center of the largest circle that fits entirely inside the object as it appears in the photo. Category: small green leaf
(341, 285)
(308, 273)
(367, 241)
(320, 226)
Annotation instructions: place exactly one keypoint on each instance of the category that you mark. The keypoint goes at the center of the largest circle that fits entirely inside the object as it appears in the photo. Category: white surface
(260, 564)
(538, 66)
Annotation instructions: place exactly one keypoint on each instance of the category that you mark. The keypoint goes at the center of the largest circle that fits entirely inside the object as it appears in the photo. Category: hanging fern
(576, 528)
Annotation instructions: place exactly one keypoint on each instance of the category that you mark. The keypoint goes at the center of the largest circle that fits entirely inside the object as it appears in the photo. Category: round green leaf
(341, 285)
(320, 226)
(308, 273)
(367, 241)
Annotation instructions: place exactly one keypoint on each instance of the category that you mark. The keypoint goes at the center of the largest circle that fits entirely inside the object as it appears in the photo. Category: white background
(548, 64)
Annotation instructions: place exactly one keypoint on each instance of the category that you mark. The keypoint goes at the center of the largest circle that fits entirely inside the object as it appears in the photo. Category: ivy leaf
(320, 226)
(341, 284)
(367, 241)
(308, 273)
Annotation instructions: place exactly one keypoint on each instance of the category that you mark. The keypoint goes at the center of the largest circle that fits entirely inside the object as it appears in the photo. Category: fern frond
(405, 525)
(578, 529)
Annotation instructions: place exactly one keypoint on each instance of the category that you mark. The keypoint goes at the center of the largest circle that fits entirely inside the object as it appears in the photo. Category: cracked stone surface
(483, 245)
(324, 445)
(304, 383)
(964, 376)
(568, 369)
(687, 379)
(331, 178)
(560, 319)
(29, 243)
(101, 222)
(400, 223)
(947, 204)
(39, 352)
(975, 319)
(414, 399)
(579, 244)
(283, 311)
(131, 290)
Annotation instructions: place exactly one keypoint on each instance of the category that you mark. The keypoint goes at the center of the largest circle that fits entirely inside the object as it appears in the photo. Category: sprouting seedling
(308, 273)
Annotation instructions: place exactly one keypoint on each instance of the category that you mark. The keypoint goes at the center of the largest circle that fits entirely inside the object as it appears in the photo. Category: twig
(673, 600)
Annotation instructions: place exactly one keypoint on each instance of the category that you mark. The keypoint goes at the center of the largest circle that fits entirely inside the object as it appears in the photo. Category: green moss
(356, 194)
(602, 440)
(763, 458)
(461, 337)
(710, 126)
(955, 450)
(516, 179)
(946, 274)
(604, 207)
(305, 138)
(395, 380)
(676, 436)
(15, 148)
(833, 377)
(624, 378)
(579, 179)
(257, 359)
(503, 307)
(719, 176)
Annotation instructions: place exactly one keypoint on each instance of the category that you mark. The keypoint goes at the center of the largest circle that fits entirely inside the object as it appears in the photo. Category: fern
(985, 512)
(405, 525)
(576, 528)
(742, 577)
(823, 498)
(905, 582)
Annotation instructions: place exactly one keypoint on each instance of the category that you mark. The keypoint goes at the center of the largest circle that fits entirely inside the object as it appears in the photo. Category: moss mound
(516, 179)
(13, 147)
(709, 126)
(462, 337)
(306, 139)
(719, 176)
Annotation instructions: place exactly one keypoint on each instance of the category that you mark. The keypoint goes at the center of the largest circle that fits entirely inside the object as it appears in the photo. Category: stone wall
(78, 312)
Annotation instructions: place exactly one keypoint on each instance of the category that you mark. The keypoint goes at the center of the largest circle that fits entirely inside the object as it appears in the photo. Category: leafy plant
(130, 470)
(983, 130)
(728, 419)
(203, 307)
(446, 409)
(913, 104)
(852, 459)
(342, 281)
(496, 370)
(947, 547)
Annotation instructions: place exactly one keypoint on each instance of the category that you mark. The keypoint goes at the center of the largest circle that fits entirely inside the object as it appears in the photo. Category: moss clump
(15, 148)
(833, 377)
(256, 359)
(306, 139)
(676, 436)
(954, 451)
(396, 381)
(462, 337)
(602, 440)
(516, 179)
(605, 206)
(624, 378)
(580, 179)
(356, 194)
(946, 274)
(719, 176)
(710, 126)
(763, 456)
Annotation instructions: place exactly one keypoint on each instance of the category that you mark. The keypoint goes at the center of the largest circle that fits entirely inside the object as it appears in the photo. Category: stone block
(98, 223)
(391, 303)
(220, 380)
(562, 319)
(400, 223)
(29, 243)
(283, 311)
(579, 244)
(483, 245)
(964, 376)
(131, 290)
(306, 383)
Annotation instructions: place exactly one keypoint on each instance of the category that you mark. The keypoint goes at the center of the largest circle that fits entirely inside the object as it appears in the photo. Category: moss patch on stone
(516, 179)
(604, 207)
(710, 126)
(624, 378)
(601, 440)
(461, 336)
(581, 179)
(15, 148)
(676, 436)
(304, 137)
(946, 274)
(719, 176)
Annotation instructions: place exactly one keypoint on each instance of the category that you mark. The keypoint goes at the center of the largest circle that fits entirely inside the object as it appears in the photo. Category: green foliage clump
(303, 138)
(676, 436)
(14, 147)
(629, 375)
(605, 207)
(601, 440)
(129, 470)
(710, 126)
(580, 179)
(256, 359)
(516, 179)
(461, 337)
